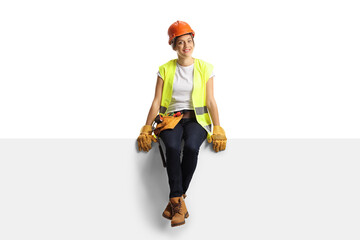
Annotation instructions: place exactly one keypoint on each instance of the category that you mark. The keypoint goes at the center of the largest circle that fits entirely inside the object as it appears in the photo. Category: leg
(172, 140)
(194, 136)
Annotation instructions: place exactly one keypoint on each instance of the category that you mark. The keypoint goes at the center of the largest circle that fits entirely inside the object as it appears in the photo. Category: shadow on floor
(154, 195)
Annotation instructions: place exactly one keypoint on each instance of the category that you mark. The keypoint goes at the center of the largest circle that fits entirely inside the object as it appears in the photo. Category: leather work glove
(145, 138)
(218, 138)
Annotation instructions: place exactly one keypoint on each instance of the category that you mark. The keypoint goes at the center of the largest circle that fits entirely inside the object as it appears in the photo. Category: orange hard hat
(179, 28)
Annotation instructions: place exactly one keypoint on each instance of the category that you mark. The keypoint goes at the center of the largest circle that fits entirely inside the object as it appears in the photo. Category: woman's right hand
(145, 138)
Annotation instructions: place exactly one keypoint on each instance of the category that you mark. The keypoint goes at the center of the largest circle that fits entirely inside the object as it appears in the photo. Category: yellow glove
(218, 138)
(145, 138)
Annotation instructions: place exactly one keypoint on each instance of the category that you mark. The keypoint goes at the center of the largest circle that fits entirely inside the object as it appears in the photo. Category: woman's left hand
(218, 138)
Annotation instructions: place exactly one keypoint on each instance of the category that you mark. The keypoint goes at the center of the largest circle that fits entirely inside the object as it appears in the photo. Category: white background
(87, 69)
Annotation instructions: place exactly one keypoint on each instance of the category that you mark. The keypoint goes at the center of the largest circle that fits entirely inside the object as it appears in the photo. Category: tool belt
(167, 121)
(163, 122)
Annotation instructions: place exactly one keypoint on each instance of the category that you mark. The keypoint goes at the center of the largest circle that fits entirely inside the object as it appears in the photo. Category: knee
(173, 148)
(191, 148)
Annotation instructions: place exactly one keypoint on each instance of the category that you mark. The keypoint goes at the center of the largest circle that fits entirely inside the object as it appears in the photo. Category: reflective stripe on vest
(162, 109)
(208, 128)
(202, 73)
(201, 110)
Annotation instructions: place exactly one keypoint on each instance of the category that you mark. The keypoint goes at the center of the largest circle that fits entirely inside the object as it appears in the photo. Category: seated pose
(185, 109)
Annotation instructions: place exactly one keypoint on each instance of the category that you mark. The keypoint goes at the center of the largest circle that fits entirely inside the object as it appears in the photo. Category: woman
(184, 97)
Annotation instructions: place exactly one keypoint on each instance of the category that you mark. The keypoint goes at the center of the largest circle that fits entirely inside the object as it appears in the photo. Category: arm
(211, 103)
(218, 138)
(145, 138)
(155, 106)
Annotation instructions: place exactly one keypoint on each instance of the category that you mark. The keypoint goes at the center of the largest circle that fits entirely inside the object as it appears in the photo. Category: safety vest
(202, 73)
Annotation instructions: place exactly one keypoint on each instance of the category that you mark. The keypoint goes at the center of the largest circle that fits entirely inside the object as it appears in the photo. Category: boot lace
(176, 207)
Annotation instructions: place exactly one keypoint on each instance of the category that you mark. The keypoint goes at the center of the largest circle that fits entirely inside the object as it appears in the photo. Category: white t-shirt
(182, 88)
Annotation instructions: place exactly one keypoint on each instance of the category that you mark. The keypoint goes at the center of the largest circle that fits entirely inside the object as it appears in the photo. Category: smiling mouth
(187, 50)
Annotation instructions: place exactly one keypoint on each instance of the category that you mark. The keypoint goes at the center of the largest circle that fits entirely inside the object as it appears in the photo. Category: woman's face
(184, 46)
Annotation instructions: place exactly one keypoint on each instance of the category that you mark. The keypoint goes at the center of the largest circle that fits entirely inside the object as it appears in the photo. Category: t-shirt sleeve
(158, 73)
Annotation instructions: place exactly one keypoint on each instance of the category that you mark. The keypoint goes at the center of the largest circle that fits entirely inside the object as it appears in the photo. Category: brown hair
(173, 44)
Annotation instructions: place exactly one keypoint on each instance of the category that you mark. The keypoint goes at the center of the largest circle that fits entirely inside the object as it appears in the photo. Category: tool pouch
(168, 122)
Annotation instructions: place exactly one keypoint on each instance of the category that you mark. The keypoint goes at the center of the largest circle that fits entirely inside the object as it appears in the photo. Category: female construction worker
(184, 97)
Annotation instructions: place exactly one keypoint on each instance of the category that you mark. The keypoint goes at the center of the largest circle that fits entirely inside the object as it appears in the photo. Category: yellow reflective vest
(202, 73)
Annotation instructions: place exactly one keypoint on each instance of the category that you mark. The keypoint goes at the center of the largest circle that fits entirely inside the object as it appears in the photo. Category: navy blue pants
(180, 171)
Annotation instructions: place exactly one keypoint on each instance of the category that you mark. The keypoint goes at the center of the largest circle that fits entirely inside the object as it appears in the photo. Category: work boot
(178, 210)
(168, 212)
